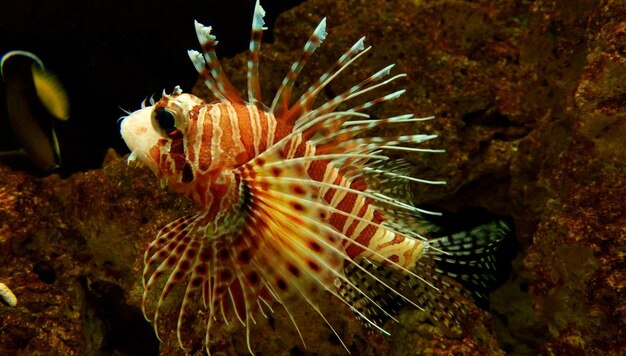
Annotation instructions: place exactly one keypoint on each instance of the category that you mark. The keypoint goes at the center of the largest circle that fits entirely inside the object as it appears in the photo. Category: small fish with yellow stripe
(35, 100)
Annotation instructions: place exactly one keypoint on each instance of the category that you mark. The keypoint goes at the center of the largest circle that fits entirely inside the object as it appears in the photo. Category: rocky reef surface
(530, 104)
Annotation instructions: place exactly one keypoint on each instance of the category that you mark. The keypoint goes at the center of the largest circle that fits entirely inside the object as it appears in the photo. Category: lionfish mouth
(140, 136)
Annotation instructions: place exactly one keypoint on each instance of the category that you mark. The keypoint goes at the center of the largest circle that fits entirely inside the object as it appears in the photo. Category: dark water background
(112, 54)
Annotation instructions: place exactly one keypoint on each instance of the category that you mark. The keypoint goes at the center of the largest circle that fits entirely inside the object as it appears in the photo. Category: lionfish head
(156, 136)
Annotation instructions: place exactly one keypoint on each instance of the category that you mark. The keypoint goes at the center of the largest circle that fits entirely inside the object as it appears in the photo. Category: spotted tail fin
(444, 302)
(470, 256)
(456, 267)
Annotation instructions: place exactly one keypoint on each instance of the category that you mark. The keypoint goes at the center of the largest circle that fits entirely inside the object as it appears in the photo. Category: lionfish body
(294, 199)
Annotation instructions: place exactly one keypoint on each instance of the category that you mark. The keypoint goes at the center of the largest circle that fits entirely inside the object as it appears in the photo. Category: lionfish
(295, 199)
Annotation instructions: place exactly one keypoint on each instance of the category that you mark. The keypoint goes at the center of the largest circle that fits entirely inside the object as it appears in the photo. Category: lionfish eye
(165, 120)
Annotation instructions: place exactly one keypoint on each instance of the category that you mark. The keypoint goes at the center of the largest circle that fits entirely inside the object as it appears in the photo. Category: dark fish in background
(35, 100)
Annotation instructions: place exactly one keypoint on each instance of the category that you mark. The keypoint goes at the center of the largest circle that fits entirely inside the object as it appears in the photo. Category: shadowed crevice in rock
(121, 328)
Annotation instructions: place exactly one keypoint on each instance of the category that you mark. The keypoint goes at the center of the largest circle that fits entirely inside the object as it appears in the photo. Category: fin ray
(258, 26)
(208, 43)
(283, 94)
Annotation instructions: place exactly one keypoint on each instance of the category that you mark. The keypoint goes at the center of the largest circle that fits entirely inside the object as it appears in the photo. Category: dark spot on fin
(187, 172)
(246, 197)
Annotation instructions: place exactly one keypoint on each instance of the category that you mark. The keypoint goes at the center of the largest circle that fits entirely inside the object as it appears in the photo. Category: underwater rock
(531, 110)
(35, 232)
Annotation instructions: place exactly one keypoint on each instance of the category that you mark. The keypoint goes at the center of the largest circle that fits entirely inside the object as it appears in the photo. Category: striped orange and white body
(294, 200)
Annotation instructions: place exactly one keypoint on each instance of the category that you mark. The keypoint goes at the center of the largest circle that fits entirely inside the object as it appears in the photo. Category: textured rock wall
(530, 104)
